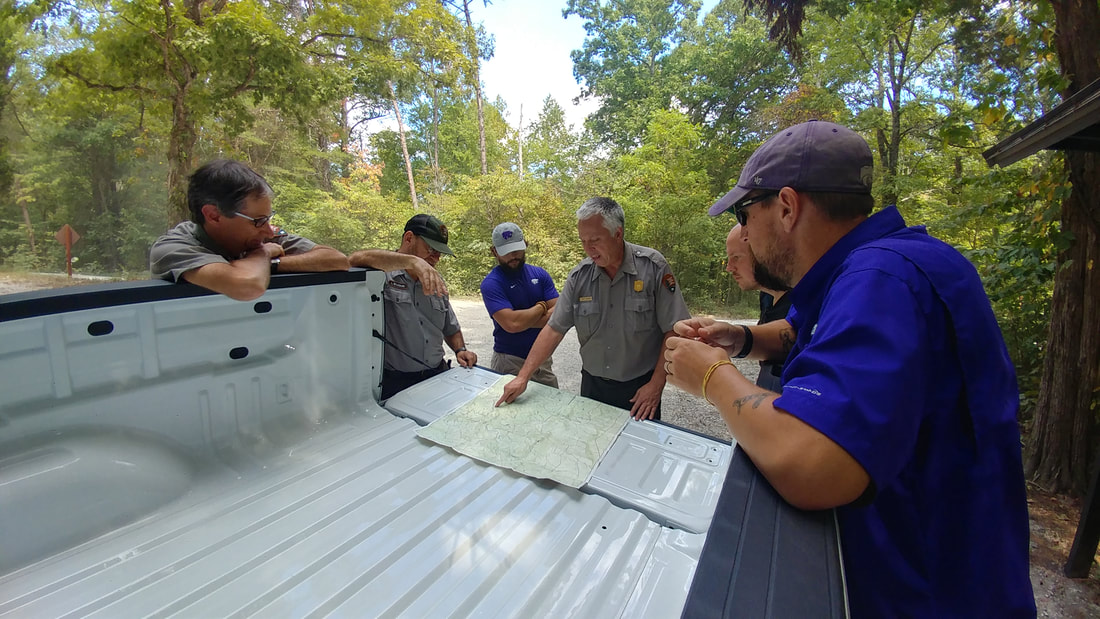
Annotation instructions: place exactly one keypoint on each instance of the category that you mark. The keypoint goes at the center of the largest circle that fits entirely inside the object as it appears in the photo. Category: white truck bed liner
(366, 519)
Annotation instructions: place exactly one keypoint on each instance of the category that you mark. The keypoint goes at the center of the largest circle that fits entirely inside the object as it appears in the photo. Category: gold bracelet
(706, 377)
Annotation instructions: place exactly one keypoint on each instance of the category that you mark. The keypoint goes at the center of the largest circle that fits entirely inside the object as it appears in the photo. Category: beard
(512, 270)
(776, 277)
(766, 279)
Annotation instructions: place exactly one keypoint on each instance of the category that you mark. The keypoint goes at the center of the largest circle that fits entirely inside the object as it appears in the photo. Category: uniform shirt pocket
(396, 295)
(641, 313)
(586, 317)
(439, 304)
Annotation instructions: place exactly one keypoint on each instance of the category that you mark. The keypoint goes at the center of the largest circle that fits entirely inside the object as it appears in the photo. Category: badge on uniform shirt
(584, 299)
(669, 281)
(397, 285)
(638, 285)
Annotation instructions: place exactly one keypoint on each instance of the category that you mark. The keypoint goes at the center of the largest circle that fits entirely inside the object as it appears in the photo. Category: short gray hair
(608, 209)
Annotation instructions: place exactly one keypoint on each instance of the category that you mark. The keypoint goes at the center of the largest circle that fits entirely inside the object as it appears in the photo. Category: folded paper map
(545, 433)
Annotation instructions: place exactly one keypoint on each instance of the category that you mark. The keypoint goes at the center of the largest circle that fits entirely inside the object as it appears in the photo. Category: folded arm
(244, 280)
(534, 317)
(384, 260)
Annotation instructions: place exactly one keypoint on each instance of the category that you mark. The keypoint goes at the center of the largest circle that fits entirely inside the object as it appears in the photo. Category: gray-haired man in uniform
(623, 299)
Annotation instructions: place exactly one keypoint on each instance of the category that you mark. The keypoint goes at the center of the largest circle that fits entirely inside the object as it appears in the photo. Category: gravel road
(678, 407)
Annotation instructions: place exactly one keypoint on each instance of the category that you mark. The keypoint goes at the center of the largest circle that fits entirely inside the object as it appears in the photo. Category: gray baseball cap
(507, 238)
(812, 156)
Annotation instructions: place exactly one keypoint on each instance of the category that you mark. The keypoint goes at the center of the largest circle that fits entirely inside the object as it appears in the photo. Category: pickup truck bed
(168, 452)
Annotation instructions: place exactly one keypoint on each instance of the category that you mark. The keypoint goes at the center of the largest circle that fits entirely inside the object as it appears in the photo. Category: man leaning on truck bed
(230, 246)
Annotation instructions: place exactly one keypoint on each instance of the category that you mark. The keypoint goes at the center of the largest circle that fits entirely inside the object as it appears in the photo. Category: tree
(662, 186)
(626, 61)
(551, 146)
(1063, 445)
(196, 58)
(474, 52)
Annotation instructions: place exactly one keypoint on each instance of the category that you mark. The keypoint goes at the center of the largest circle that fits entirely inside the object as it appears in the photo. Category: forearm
(770, 341)
(545, 345)
(320, 258)
(455, 341)
(807, 468)
(243, 280)
(382, 259)
(514, 321)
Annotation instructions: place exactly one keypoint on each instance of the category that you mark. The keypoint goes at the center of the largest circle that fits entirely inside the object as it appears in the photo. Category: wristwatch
(275, 265)
(460, 349)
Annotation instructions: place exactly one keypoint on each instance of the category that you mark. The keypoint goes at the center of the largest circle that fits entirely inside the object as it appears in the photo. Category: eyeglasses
(741, 207)
(259, 222)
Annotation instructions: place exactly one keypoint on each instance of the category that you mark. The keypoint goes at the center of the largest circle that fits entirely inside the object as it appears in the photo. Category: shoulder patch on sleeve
(668, 281)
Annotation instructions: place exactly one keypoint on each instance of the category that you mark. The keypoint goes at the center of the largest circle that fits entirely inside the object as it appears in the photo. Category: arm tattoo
(756, 399)
(786, 339)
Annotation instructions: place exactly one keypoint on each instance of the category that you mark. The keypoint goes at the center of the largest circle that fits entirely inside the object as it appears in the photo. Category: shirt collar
(814, 282)
(626, 266)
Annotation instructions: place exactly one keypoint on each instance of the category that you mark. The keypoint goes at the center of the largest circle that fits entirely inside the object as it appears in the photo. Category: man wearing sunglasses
(230, 245)
(899, 401)
(419, 316)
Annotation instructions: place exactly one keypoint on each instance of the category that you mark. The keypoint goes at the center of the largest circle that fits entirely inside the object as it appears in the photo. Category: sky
(531, 57)
(532, 42)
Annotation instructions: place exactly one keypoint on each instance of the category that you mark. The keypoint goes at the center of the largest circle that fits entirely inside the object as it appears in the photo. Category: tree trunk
(404, 146)
(181, 148)
(1061, 447)
(519, 138)
(475, 59)
(26, 215)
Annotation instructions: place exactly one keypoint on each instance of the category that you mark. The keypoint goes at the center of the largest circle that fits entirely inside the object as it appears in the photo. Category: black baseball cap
(432, 231)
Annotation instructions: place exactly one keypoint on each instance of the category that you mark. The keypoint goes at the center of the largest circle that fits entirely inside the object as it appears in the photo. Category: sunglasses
(256, 221)
(741, 207)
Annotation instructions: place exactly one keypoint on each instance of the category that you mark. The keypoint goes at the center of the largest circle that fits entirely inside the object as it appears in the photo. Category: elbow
(812, 483)
(246, 289)
(246, 292)
(512, 327)
(336, 261)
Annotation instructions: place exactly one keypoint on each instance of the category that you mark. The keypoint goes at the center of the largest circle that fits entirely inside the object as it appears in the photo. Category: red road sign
(67, 236)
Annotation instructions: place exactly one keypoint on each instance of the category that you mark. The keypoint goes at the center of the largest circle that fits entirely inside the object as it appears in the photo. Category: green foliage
(479, 203)
(627, 60)
(1013, 241)
(95, 123)
(665, 189)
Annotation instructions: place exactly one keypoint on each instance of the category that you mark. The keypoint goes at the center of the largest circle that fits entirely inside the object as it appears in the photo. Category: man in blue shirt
(899, 400)
(520, 298)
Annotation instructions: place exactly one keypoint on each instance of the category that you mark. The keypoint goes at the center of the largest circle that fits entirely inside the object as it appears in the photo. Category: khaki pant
(511, 364)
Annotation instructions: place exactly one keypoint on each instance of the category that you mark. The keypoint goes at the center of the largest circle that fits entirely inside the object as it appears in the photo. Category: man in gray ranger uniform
(623, 299)
(419, 317)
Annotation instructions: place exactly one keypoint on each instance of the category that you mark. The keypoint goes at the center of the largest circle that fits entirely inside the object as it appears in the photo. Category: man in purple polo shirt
(899, 400)
(520, 298)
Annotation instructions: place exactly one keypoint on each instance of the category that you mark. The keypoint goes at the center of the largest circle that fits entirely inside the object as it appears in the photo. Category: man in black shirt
(774, 301)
